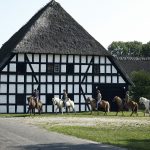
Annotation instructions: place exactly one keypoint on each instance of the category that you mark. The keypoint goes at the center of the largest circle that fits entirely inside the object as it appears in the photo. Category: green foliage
(146, 50)
(141, 80)
(132, 49)
(124, 136)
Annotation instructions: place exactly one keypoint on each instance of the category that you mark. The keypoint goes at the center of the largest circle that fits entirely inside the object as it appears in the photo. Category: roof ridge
(140, 58)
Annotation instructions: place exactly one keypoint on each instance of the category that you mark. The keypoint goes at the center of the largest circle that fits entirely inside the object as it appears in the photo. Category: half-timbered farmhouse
(52, 52)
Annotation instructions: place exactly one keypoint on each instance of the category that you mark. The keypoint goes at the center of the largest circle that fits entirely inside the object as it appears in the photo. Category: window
(96, 69)
(70, 69)
(21, 68)
(53, 68)
(20, 99)
(49, 99)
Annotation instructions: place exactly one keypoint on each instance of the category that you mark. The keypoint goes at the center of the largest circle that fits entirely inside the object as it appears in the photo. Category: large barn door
(109, 91)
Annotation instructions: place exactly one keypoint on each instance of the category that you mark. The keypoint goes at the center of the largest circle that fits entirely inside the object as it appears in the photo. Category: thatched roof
(52, 30)
(131, 64)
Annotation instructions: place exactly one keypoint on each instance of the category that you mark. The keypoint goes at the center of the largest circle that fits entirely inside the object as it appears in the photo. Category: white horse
(60, 104)
(146, 103)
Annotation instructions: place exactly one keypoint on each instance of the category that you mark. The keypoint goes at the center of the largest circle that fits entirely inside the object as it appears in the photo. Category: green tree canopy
(129, 49)
(141, 80)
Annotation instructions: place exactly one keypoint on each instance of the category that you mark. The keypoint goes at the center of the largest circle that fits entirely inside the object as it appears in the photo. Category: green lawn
(132, 137)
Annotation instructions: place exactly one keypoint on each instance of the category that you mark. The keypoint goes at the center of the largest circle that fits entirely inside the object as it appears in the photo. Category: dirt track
(94, 121)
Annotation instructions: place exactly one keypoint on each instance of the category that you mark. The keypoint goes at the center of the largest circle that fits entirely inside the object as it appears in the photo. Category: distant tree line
(141, 80)
(129, 49)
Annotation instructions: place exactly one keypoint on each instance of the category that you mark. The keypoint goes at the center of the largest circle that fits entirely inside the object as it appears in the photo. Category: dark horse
(133, 106)
(34, 105)
(119, 103)
(104, 104)
(126, 104)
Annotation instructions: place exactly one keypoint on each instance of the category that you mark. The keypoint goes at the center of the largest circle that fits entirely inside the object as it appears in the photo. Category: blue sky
(105, 20)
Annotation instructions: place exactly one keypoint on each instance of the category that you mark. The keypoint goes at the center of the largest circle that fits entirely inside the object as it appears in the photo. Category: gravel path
(94, 121)
(22, 134)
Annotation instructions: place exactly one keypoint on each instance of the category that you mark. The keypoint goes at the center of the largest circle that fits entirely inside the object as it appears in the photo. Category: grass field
(123, 131)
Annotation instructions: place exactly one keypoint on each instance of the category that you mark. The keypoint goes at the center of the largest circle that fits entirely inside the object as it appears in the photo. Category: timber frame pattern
(53, 52)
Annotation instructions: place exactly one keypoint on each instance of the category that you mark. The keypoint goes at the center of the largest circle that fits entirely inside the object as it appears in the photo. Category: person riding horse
(64, 98)
(99, 98)
(35, 95)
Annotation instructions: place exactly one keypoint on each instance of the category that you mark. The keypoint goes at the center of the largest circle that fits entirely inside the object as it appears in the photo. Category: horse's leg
(61, 110)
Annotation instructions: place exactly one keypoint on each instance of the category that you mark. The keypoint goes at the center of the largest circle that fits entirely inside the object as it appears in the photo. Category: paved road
(15, 135)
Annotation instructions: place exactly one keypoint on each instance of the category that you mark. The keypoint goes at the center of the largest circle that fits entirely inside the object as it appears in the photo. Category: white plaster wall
(43, 58)
(83, 59)
(102, 60)
(13, 59)
(49, 88)
(3, 88)
(30, 57)
(64, 58)
(57, 58)
(3, 99)
(12, 99)
(20, 78)
(114, 79)
(84, 68)
(77, 69)
(96, 79)
(29, 88)
(3, 109)
(36, 57)
(43, 67)
(50, 58)
(77, 59)
(102, 69)
(63, 68)
(49, 78)
(3, 78)
(21, 57)
(96, 60)
(70, 58)
(121, 80)
(20, 88)
(12, 68)
(43, 88)
(108, 79)
(102, 79)
(114, 69)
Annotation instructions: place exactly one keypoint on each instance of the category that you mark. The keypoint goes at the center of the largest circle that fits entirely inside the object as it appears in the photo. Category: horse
(133, 106)
(103, 104)
(146, 103)
(119, 103)
(60, 104)
(34, 105)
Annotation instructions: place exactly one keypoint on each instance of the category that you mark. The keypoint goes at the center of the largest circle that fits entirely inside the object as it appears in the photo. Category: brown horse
(103, 104)
(34, 105)
(119, 103)
(133, 106)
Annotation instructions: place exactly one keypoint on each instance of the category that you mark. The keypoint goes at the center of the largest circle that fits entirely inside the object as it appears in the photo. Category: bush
(141, 80)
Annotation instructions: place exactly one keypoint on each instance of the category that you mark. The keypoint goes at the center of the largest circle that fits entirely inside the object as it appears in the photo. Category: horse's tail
(108, 107)
(136, 108)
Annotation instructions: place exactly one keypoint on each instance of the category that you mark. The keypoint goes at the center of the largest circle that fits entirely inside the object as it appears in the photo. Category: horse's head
(29, 99)
(141, 100)
(117, 100)
(54, 101)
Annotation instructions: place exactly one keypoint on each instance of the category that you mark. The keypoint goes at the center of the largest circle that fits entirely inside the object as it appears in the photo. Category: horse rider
(35, 95)
(127, 97)
(64, 98)
(99, 98)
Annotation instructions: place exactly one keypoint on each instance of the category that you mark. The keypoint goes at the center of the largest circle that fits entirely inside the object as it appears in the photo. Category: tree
(146, 50)
(127, 49)
(141, 80)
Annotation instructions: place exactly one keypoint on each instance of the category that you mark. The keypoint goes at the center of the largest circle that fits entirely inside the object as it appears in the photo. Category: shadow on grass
(136, 144)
